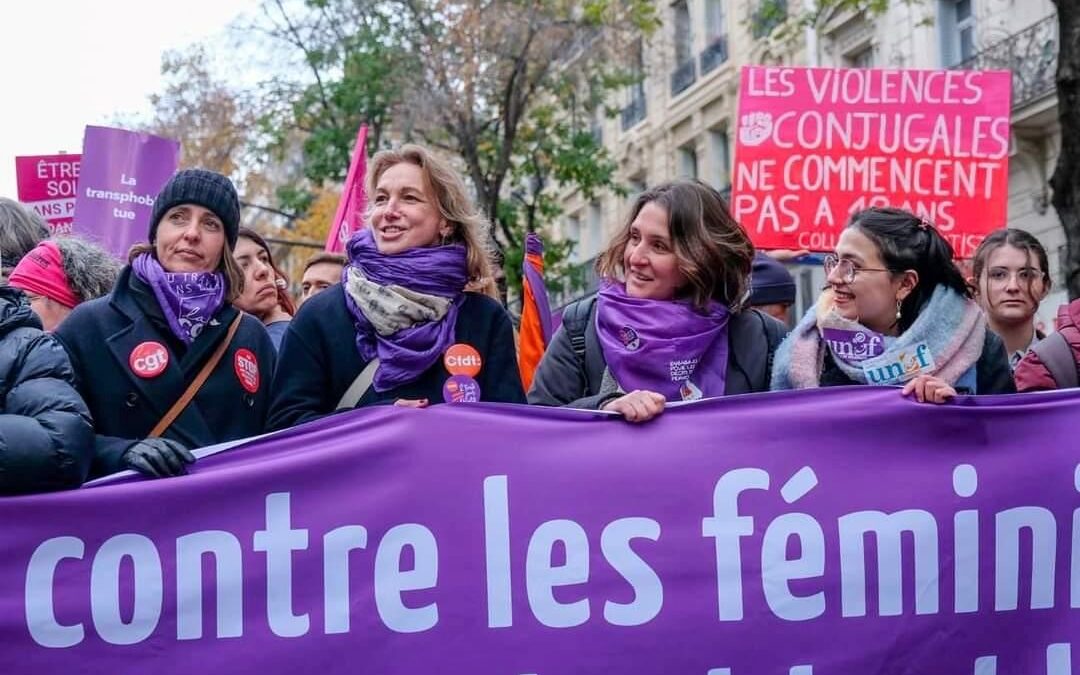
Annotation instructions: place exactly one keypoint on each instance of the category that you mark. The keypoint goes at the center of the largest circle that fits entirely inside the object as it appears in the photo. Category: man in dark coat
(46, 438)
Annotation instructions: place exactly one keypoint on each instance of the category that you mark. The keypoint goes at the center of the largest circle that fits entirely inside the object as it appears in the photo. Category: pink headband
(41, 271)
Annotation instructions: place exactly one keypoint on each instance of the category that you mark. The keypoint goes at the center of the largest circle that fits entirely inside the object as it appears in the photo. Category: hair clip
(925, 224)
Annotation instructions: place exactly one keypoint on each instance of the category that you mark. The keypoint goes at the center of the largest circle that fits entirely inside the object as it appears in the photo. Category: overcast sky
(66, 64)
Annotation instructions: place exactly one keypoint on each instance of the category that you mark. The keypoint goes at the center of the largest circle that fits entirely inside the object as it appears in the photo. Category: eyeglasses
(1000, 276)
(846, 269)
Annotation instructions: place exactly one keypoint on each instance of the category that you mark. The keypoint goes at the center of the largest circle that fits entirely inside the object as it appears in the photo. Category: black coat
(560, 379)
(319, 360)
(46, 439)
(100, 336)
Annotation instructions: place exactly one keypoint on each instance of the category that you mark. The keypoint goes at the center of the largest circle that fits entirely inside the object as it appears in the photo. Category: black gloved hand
(158, 458)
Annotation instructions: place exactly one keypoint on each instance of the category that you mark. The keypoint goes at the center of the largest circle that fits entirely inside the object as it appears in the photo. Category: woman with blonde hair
(669, 323)
(407, 326)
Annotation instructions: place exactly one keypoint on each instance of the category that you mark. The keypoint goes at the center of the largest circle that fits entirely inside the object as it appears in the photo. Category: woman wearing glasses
(1012, 278)
(668, 323)
(896, 311)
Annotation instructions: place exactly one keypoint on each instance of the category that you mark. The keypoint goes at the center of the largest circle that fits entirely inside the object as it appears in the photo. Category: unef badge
(247, 370)
(462, 359)
(149, 359)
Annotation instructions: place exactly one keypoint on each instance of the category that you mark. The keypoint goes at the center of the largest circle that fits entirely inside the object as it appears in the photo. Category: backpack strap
(576, 321)
(1056, 354)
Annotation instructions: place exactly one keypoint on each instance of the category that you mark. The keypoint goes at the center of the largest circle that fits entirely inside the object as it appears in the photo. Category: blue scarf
(945, 340)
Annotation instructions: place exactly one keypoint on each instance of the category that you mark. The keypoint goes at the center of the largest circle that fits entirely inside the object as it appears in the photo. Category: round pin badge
(149, 359)
(461, 389)
(629, 337)
(462, 359)
(247, 370)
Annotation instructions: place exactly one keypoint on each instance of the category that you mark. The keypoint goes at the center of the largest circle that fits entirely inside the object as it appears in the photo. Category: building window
(715, 51)
(573, 234)
(596, 125)
(864, 58)
(715, 19)
(684, 37)
(634, 110)
(720, 159)
(688, 167)
(634, 187)
(593, 239)
(685, 71)
(958, 31)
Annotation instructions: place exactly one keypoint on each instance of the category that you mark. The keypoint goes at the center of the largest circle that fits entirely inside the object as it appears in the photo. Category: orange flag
(535, 331)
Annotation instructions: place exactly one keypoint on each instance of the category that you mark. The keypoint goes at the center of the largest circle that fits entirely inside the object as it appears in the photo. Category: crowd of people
(197, 341)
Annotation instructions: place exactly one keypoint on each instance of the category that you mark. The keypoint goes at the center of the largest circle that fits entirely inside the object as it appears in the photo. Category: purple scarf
(438, 270)
(663, 346)
(189, 300)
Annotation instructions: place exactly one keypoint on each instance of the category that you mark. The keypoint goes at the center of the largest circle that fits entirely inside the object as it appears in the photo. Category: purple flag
(121, 175)
(842, 532)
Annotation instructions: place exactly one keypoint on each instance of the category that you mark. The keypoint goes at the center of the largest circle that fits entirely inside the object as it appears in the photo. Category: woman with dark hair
(1012, 277)
(265, 295)
(668, 323)
(165, 362)
(897, 311)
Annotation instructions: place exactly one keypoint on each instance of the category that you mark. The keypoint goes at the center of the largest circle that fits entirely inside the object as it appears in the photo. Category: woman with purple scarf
(405, 326)
(165, 362)
(668, 323)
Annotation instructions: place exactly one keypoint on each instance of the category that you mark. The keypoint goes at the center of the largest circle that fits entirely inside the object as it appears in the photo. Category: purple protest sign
(122, 172)
(840, 532)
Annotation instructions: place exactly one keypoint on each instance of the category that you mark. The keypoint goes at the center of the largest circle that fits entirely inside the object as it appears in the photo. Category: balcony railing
(634, 112)
(683, 76)
(714, 55)
(1031, 55)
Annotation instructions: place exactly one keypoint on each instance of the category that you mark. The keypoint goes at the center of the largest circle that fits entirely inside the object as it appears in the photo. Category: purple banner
(122, 172)
(833, 532)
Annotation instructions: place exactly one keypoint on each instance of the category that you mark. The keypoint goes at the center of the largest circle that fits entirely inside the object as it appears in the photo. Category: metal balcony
(1031, 55)
(683, 76)
(714, 55)
(633, 113)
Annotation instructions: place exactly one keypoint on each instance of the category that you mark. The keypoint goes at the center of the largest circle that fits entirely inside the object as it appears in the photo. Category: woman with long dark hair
(897, 311)
(266, 295)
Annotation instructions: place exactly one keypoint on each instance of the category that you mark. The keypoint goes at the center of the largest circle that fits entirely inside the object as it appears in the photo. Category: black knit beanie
(207, 189)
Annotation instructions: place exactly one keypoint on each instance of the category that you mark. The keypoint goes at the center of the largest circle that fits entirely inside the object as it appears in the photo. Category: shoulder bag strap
(359, 386)
(198, 382)
(1056, 354)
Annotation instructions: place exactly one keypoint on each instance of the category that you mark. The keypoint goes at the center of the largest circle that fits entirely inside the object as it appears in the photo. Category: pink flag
(350, 211)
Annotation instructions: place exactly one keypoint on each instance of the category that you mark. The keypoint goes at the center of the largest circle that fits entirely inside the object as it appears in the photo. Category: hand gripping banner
(835, 532)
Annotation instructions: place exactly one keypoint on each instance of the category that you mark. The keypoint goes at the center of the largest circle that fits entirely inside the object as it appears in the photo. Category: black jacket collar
(134, 299)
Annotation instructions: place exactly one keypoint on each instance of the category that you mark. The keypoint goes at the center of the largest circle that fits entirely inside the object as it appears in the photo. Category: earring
(898, 303)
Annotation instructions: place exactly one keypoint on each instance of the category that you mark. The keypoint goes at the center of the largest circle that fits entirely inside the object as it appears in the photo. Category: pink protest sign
(815, 145)
(48, 184)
